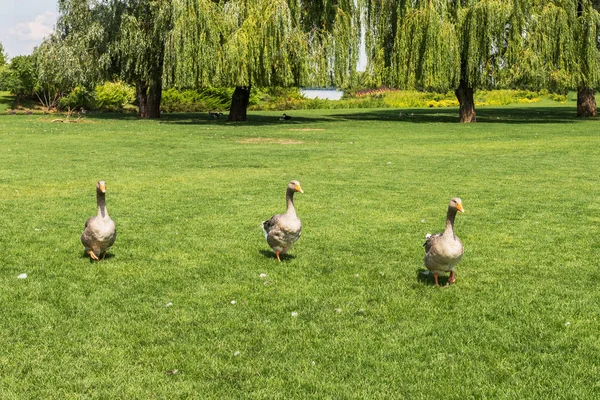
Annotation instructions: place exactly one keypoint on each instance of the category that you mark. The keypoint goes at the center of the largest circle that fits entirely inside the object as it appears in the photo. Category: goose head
(294, 186)
(101, 187)
(456, 204)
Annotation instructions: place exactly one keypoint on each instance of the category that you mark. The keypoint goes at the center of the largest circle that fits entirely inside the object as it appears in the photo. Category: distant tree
(19, 77)
(439, 45)
(560, 50)
(138, 49)
(262, 42)
(121, 38)
(481, 44)
(3, 56)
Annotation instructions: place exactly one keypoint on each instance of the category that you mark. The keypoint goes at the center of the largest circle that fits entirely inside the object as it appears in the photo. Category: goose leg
(92, 255)
(452, 277)
(435, 278)
(103, 254)
(277, 254)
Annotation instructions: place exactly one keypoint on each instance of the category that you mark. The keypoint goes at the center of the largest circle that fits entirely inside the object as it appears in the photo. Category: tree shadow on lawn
(6, 102)
(426, 278)
(504, 115)
(271, 254)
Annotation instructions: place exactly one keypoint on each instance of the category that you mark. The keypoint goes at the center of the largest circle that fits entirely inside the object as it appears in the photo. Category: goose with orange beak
(444, 250)
(283, 230)
(100, 231)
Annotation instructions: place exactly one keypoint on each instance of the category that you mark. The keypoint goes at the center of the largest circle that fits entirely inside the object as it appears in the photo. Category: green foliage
(79, 97)
(3, 56)
(208, 99)
(114, 95)
(280, 43)
(20, 77)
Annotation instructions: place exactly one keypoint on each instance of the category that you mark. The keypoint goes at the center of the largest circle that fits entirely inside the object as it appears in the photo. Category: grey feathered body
(282, 231)
(442, 252)
(99, 234)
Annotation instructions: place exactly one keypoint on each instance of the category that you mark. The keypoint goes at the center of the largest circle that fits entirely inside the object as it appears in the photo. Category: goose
(283, 230)
(215, 115)
(285, 118)
(444, 250)
(100, 231)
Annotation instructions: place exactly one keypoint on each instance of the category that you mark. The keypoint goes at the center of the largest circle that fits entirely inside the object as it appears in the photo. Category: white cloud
(38, 29)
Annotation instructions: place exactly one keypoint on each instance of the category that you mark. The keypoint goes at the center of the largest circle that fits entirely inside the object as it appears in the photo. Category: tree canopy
(432, 45)
(470, 44)
(3, 55)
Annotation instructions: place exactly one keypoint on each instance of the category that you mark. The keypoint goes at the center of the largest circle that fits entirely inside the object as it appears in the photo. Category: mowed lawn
(179, 309)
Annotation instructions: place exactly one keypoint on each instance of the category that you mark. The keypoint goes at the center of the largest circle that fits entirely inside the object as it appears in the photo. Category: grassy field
(179, 309)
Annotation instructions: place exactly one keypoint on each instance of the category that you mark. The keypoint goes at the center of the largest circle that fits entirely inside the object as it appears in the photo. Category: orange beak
(460, 208)
(103, 187)
(299, 189)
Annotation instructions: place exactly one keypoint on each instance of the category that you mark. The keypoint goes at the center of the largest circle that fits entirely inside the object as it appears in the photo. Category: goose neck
(289, 198)
(101, 200)
(450, 221)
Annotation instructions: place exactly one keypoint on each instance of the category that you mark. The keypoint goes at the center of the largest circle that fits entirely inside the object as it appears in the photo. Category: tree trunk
(586, 103)
(464, 94)
(141, 93)
(148, 98)
(154, 98)
(239, 104)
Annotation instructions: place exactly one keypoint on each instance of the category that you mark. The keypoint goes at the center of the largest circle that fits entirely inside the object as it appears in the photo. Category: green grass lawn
(188, 195)
(6, 101)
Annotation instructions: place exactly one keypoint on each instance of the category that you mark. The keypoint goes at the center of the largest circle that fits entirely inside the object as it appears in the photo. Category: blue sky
(24, 23)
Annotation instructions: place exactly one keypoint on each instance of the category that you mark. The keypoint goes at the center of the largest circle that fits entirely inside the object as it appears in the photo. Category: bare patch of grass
(270, 141)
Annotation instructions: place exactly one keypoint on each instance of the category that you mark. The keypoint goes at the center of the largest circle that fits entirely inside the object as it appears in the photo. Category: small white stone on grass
(232, 301)
(567, 324)
(263, 276)
(422, 221)
(338, 310)
(237, 353)
(169, 304)
(22, 276)
(294, 314)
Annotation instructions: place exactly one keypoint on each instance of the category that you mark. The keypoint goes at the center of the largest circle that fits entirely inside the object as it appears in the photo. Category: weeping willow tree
(470, 44)
(124, 38)
(559, 50)
(440, 44)
(137, 49)
(262, 42)
(587, 28)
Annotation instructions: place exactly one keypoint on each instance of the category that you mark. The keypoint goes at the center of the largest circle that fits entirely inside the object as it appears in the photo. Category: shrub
(114, 96)
(208, 99)
(79, 97)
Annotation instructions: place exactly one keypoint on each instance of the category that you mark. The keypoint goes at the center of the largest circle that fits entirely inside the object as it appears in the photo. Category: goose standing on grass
(444, 250)
(285, 118)
(100, 231)
(282, 230)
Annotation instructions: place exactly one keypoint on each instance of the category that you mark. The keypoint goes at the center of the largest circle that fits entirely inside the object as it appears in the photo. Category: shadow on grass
(271, 254)
(108, 256)
(485, 115)
(426, 278)
(506, 115)
(6, 102)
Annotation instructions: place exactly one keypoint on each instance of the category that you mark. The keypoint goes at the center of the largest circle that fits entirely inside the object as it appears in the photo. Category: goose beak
(460, 208)
(102, 187)
(299, 189)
